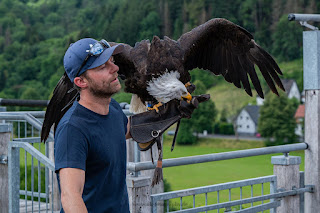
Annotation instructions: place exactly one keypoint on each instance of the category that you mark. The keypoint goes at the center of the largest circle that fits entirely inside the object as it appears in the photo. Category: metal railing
(271, 198)
(25, 137)
(28, 156)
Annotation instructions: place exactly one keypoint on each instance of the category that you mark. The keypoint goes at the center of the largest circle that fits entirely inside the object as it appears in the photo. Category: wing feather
(229, 50)
(58, 105)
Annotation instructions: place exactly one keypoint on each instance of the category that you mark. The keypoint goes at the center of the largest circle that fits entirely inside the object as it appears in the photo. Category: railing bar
(262, 192)
(206, 195)
(22, 192)
(19, 129)
(32, 182)
(214, 188)
(168, 205)
(180, 203)
(229, 194)
(194, 201)
(135, 167)
(32, 133)
(34, 152)
(52, 200)
(25, 178)
(25, 129)
(39, 183)
(218, 197)
(240, 196)
(251, 194)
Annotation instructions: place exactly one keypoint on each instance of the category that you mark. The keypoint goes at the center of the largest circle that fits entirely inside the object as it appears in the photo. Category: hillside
(34, 34)
(226, 95)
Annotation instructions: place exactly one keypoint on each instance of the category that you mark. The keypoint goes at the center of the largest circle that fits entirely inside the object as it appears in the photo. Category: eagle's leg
(155, 107)
(190, 86)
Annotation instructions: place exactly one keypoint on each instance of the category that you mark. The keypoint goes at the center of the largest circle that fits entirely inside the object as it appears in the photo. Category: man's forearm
(73, 204)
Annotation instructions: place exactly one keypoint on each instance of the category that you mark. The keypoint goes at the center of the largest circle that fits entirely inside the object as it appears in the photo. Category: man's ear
(80, 82)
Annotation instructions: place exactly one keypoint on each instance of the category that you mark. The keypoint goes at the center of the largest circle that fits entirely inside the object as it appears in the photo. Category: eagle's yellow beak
(188, 97)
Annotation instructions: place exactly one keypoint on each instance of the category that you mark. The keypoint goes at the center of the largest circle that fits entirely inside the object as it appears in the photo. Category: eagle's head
(167, 87)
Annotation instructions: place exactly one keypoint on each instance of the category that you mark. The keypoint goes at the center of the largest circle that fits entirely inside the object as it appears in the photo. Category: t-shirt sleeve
(71, 148)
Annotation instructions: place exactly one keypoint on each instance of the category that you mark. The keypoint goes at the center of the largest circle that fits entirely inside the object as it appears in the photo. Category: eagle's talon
(155, 107)
(187, 84)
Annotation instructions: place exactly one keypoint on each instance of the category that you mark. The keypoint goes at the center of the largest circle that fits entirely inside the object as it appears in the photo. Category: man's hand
(71, 184)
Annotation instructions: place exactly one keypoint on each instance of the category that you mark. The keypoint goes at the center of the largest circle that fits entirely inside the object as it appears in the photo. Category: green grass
(227, 96)
(190, 176)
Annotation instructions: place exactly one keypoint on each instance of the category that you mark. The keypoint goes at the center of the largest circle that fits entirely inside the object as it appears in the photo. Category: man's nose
(115, 68)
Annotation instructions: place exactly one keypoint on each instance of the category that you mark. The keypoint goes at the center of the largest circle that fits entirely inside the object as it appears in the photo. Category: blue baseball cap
(78, 52)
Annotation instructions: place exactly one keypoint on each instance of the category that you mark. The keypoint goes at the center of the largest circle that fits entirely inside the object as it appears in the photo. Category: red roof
(300, 111)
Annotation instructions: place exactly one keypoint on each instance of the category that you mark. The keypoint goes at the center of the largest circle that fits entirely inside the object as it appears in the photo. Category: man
(90, 140)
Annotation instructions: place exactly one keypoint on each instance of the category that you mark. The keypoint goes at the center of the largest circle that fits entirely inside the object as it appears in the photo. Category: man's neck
(95, 104)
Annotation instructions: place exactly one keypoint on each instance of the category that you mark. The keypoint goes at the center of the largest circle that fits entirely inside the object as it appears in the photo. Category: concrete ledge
(282, 160)
(135, 182)
(5, 128)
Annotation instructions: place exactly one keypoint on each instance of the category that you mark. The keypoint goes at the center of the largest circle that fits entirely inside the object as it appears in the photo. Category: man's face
(103, 80)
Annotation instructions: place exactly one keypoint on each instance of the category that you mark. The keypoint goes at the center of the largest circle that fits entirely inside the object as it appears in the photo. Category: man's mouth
(115, 80)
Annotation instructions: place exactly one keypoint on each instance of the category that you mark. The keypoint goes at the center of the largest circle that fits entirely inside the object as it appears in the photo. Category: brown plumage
(218, 45)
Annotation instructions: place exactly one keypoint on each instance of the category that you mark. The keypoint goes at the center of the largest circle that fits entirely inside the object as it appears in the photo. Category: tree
(276, 119)
(287, 40)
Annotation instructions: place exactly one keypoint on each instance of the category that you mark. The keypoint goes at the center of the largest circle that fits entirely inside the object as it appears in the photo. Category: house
(247, 120)
(299, 116)
(291, 88)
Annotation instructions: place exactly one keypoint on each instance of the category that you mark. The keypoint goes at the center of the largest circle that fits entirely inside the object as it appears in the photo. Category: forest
(34, 34)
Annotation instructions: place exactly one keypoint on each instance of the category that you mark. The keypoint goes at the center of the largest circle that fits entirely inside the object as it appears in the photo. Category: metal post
(286, 168)
(5, 130)
(54, 199)
(311, 75)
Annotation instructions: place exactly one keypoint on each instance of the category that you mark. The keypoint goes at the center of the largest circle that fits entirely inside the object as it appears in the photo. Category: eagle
(158, 71)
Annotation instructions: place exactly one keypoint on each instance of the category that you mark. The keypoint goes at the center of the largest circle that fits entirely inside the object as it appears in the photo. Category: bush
(224, 128)
(185, 136)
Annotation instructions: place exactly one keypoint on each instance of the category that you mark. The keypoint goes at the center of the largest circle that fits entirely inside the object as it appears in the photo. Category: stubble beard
(104, 91)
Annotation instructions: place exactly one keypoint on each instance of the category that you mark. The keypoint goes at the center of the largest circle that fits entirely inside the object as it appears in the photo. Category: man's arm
(71, 184)
(128, 135)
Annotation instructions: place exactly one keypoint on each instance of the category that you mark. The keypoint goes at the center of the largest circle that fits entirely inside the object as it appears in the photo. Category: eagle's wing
(61, 101)
(124, 61)
(229, 50)
(64, 94)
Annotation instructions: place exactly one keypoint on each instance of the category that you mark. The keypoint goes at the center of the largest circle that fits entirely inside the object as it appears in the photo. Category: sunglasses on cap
(95, 50)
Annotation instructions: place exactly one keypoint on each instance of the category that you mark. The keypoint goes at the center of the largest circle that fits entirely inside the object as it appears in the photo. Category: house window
(247, 126)
(240, 117)
(247, 118)
(240, 126)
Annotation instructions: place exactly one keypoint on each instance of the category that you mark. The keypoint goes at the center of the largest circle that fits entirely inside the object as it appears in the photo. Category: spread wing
(61, 101)
(229, 50)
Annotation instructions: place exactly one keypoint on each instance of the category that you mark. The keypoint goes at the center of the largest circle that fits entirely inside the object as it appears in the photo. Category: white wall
(294, 92)
(245, 124)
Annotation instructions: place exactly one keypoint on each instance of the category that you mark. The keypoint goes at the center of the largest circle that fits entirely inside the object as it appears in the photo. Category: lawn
(189, 176)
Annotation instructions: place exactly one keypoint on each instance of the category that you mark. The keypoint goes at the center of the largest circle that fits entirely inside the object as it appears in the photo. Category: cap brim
(107, 53)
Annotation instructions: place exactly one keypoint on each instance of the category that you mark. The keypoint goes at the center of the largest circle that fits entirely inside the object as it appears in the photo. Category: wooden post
(5, 130)
(159, 188)
(286, 168)
(139, 194)
(311, 78)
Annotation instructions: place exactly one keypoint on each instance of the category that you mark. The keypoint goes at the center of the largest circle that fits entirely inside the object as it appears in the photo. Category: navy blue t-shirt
(96, 144)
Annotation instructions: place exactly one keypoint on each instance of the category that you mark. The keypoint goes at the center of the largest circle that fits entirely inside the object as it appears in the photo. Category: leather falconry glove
(147, 128)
